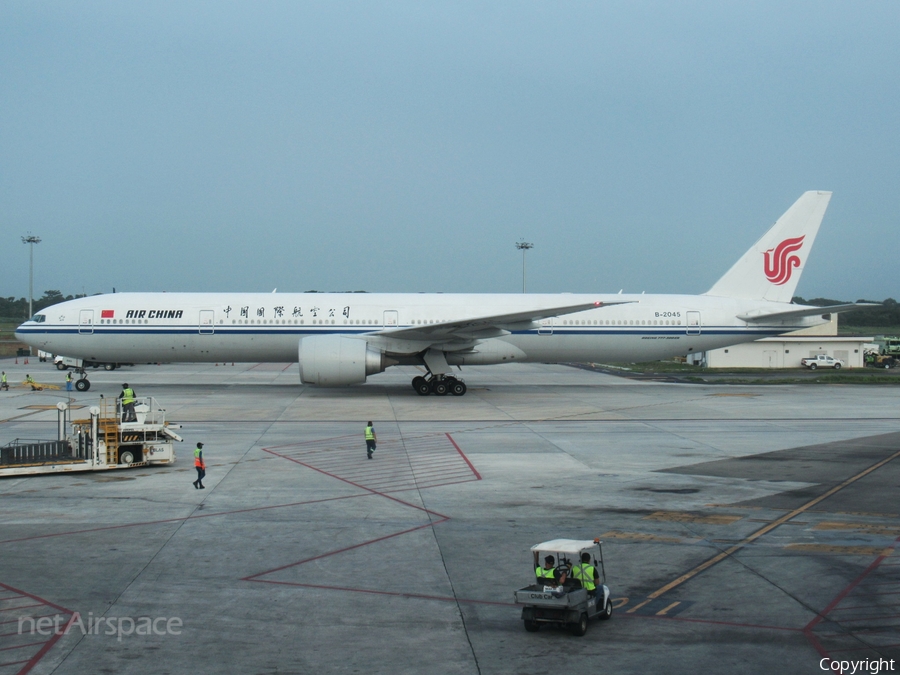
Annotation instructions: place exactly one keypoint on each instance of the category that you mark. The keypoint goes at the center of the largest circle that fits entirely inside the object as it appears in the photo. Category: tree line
(17, 309)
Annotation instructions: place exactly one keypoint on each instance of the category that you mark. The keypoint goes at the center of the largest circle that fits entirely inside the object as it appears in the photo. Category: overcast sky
(406, 146)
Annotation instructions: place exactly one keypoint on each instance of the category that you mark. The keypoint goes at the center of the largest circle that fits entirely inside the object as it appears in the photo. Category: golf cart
(560, 598)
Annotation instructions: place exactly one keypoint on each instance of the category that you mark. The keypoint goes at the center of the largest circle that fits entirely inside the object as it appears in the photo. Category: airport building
(785, 351)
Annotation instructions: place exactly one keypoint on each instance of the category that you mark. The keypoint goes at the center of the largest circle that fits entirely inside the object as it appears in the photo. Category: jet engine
(336, 361)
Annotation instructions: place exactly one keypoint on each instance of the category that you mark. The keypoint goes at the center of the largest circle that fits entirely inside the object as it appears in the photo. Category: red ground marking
(13, 609)
(463, 455)
(358, 482)
(39, 616)
(253, 577)
(843, 594)
(417, 596)
(808, 630)
(46, 644)
(178, 520)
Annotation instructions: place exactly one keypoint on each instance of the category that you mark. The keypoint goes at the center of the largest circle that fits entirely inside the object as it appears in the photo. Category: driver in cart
(550, 574)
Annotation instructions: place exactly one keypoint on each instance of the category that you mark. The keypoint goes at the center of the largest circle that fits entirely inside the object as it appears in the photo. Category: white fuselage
(198, 327)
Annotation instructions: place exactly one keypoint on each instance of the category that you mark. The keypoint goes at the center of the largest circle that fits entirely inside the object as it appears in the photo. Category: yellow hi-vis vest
(585, 574)
(370, 433)
(3, 378)
(543, 573)
(127, 396)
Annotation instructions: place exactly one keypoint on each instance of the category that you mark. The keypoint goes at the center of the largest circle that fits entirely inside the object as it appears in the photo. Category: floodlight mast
(31, 240)
(523, 246)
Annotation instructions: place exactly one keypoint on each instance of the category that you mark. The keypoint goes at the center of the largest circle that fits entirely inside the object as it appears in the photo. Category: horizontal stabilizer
(805, 311)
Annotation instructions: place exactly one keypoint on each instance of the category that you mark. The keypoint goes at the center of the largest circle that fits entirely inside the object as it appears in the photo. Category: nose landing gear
(82, 383)
(439, 385)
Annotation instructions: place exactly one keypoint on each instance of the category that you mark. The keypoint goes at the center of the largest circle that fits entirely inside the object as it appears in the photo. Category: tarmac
(745, 529)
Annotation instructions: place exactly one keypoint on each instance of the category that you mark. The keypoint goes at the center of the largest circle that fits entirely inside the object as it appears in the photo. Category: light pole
(523, 246)
(31, 239)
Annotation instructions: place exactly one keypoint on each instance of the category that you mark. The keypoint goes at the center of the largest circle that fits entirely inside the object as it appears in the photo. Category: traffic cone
(26, 360)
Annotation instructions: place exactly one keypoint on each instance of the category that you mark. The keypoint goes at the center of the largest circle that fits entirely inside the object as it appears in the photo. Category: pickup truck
(821, 361)
(66, 362)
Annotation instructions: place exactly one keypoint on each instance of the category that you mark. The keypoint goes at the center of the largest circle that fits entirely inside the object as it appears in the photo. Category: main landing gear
(440, 385)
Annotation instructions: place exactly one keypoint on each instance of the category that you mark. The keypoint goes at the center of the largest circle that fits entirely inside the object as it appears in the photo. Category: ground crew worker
(200, 466)
(3, 383)
(128, 398)
(370, 439)
(586, 574)
(30, 380)
(548, 574)
(68, 381)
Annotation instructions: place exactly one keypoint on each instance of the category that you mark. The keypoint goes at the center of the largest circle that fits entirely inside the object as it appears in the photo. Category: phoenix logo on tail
(778, 267)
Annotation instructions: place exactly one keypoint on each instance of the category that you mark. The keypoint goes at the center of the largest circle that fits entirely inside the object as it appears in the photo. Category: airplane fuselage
(198, 327)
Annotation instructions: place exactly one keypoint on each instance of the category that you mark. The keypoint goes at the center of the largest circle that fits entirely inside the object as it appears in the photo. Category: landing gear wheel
(417, 381)
(580, 628)
(607, 611)
(423, 388)
(532, 626)
(439, 388)
(82, 384)
(458, 388)
(126, 457)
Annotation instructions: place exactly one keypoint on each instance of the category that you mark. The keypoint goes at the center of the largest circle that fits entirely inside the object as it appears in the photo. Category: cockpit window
(39, 318)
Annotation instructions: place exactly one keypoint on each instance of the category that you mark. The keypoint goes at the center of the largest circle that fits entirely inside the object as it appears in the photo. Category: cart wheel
(607, 611)
(532, 626)
(580, 628)
(82, 384)
(126, 457)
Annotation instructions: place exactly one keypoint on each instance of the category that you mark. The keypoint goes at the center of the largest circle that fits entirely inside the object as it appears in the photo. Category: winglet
(771, 269)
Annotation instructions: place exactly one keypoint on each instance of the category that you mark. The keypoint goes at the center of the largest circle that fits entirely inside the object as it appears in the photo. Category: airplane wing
(484, 327)
(806, 311)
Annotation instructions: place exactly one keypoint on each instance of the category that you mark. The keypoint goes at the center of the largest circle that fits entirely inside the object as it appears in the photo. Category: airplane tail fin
(771, 269)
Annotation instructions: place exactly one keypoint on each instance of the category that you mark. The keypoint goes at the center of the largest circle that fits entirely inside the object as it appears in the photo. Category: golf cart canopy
(568, 546)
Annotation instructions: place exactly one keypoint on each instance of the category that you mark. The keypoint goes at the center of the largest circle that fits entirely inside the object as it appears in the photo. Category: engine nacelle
(336, 361)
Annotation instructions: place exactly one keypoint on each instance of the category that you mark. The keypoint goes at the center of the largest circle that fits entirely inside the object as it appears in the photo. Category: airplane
(342, 338)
